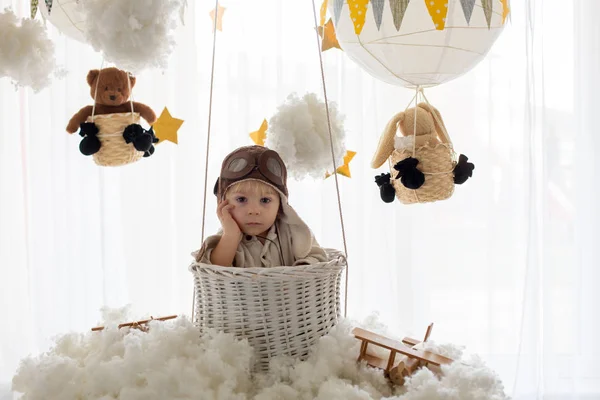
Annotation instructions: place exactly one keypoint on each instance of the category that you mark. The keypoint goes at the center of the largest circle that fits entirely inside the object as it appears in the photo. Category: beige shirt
(279, 249)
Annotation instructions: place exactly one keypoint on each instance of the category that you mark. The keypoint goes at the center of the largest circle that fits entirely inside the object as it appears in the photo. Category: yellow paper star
(344, 169)
(220, 12)
(259, 136)
(166, 127)
(329, 37)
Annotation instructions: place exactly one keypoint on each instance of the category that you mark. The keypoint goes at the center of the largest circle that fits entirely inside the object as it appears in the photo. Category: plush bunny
(424, 138)
(427, 130)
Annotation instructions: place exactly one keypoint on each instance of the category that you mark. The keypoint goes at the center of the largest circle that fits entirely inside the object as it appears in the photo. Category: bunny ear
(386, 141)
(437, 120)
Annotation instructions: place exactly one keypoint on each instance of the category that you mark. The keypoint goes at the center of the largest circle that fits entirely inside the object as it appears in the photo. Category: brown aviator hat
(252, 163)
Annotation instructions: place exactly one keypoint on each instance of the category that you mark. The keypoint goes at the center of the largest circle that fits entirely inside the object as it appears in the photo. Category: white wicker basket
(280, 310)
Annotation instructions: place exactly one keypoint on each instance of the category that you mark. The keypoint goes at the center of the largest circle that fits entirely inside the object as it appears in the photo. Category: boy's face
(255, 212)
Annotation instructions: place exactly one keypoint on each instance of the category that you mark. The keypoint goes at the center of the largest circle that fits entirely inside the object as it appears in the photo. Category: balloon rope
(337, 187)
(96, 89)
(212, 76)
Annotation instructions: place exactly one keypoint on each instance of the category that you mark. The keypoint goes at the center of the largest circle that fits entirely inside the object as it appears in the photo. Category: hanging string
(212, 77)
(130, 96)
(337, 187)
(440, 123)
(416, 99)
(96, 89)
(96, 95)
(419, 92)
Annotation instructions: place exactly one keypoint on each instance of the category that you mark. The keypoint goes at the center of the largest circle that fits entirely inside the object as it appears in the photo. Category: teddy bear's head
(110, 86)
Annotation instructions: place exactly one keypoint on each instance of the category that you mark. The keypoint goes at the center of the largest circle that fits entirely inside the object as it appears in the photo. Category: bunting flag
(378, 11)
(33, 8)
(49, 6)
(398, 8)
(259, 136)
(344, 169)
(323, 12)
(505, 10)
(488, 9)
(467, 6)
(438, 9)
(337, 9)
(358, 12)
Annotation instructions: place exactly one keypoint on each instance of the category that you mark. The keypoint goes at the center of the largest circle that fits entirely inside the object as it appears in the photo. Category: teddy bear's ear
(386, 143)
(92, 76)
(131, 80)
(440, 128)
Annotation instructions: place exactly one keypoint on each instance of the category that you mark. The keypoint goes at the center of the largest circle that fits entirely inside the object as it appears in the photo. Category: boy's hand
(230, 227)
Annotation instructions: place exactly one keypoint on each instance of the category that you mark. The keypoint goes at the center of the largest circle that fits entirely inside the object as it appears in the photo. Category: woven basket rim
(336, 262)
(123, 114)
(426, 146)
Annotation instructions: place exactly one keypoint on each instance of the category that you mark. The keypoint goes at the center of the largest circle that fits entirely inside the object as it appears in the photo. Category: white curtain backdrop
(507, 267)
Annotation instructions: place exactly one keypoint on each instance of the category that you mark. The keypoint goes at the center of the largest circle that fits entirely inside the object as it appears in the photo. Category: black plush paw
(463, 170)
(141, 138)
(408, 173)
(154, 138)
(143, 143)
(386, 190)
(149, 152)
(88, 129)
(89, 145)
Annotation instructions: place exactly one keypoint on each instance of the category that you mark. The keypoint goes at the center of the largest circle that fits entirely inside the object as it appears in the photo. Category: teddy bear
(110, 90)
(420, 126)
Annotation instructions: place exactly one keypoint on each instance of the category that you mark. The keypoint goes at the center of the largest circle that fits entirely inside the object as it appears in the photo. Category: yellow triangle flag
(358, 12)
(323, 12)
(438, 9)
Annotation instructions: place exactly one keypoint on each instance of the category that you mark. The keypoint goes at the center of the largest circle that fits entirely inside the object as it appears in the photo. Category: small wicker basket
(280, 310)
(115, 151)
(437, 164)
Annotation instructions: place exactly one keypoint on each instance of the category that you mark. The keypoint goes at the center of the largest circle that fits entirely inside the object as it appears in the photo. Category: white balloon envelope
(417, 42)
(66, 16)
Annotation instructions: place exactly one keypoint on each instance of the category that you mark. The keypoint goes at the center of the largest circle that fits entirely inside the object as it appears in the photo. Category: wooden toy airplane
(141, 325)
(415, 358)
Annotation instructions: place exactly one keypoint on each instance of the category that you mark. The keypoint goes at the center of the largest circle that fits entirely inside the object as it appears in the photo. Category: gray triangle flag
(467, 6)
(398, 9)
(337, 9)
(488, 9)
(378, 11)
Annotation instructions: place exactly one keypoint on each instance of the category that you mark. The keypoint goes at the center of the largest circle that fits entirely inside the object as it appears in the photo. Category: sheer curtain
(506, 267)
